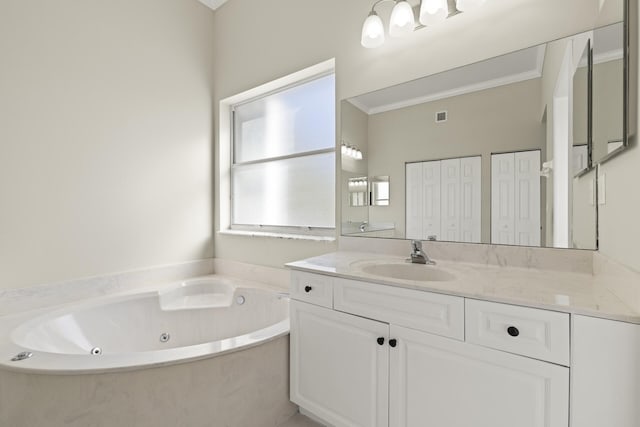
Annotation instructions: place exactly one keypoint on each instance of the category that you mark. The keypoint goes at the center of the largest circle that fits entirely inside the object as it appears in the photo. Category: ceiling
(213, 4)
(518, 66)
(514, 67)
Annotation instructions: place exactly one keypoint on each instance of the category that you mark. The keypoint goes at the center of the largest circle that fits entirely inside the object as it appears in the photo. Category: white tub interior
(199, 317)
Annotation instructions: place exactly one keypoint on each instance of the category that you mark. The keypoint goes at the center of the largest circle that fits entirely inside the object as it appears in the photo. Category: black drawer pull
(380, 341)
(513, 331)
(307, 289)
(393, 342)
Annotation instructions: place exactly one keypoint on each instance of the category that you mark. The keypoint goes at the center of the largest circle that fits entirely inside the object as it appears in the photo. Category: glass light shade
(465, 5)
(402, 20)
(343, 149)
(358, 154)
(433, 12)
(349, 151)
(372, 31)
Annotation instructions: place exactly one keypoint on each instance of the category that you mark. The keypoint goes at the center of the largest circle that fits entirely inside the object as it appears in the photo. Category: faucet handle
(416, 245)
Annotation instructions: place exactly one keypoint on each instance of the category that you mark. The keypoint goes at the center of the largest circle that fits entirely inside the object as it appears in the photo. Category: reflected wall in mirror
(358, 188)
(379, 191)
(493, 152)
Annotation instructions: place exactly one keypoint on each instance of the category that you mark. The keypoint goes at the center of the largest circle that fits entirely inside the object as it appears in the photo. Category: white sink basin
(417, 272)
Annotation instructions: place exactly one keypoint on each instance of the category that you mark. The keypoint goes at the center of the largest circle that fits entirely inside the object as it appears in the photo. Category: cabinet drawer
(435, 313)
(531, 332)
(312, 288)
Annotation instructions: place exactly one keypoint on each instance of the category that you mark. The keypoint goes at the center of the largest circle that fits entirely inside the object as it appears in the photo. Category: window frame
(294, 80)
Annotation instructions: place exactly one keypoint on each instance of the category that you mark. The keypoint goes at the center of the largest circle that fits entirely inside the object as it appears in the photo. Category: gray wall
(258, 41)
(496, 120)
(105, 137)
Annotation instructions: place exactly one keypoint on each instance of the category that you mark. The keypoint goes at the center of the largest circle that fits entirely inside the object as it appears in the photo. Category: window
(283, 159)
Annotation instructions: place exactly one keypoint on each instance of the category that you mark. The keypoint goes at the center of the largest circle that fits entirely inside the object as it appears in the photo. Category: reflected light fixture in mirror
(350, 151)
(403, 21)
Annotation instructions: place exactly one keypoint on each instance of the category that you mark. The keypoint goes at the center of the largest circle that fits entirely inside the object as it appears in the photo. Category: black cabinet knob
(380, 340)
(393, 342)
(307, 289)
(513, 331)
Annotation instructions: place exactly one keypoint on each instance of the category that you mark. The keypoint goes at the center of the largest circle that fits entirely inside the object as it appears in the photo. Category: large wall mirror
(501, 151)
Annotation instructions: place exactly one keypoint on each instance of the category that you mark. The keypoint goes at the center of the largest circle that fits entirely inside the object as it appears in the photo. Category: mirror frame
(628, 122)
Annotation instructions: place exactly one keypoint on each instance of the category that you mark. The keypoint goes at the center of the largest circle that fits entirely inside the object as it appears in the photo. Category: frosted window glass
(295, 120)
(294, 192)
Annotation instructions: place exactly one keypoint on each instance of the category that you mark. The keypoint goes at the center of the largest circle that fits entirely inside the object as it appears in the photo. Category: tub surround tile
(275, 277)
(570, 292)
(567, 260)
(619, 279)
(46, 295)
(300, 420)
(249, 388)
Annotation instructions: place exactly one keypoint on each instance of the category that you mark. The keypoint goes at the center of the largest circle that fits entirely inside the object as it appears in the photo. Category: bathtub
(186, 321)
(211, 351)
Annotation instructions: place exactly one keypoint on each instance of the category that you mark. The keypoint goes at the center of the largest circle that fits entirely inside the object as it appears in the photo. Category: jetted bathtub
(190, 320)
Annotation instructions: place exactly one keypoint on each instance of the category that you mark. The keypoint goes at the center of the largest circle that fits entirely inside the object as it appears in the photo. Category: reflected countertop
(569, 292)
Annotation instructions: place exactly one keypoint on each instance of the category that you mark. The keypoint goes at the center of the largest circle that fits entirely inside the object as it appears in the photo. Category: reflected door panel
(515, 198)
(413, 179)
(444, 200)
(527, 193)
(431, 175)
(450, 200)
(471, 200)
(503, 199)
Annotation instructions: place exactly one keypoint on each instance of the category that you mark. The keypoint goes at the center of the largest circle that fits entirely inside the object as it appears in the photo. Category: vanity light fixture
(353, 152)
(403, 21)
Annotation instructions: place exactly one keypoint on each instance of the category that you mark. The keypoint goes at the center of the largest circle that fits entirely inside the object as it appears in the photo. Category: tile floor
(300, 420)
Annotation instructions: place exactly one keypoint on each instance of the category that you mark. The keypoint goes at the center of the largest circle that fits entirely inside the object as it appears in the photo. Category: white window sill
(278, 235)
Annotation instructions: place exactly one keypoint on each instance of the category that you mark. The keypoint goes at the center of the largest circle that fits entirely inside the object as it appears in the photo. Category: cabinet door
(339, 371)
(439, 382)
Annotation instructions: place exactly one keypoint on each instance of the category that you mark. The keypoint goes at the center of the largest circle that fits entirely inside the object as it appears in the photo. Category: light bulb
(402, 20)
(465, 5)
(372, 31)
(433, 12)
(343, 149)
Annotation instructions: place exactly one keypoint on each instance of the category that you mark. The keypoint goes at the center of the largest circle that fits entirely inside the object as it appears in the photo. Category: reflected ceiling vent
(441, 116)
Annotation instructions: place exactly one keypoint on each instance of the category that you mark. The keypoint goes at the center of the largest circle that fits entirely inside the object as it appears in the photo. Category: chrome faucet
(418, 256)
(363, 226)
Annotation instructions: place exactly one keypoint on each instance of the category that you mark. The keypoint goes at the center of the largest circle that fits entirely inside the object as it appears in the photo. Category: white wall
(257, 41)
(105, 137)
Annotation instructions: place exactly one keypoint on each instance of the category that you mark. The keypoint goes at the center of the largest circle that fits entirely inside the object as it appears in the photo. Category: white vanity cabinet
(436, 381)
(339, 366)
(364, 363)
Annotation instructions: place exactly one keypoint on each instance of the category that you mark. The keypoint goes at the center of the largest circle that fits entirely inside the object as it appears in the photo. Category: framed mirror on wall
(501, 151)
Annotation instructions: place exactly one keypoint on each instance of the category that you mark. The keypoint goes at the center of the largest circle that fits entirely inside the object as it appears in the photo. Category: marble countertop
(569, 292)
